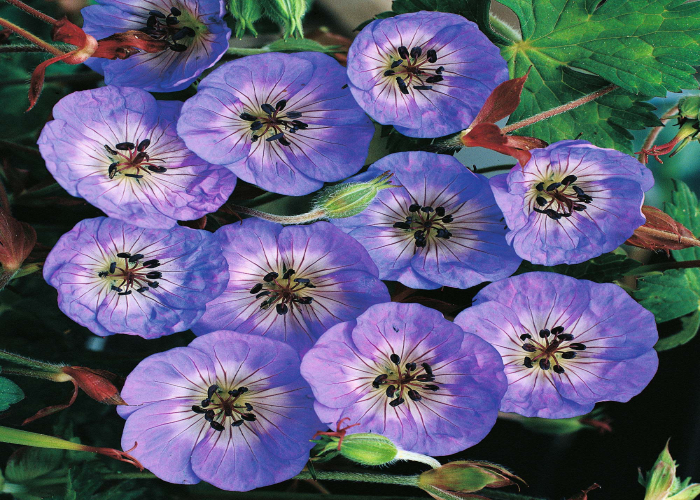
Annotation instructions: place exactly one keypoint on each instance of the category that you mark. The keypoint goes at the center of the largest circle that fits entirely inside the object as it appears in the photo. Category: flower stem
(360, 477)
(495, 168)
(417, 457)
(31, 48)
(30, 373)
(559, 109)
(504, 29)
(651, 138)
(32, 38)
(31, 363)
(663, 266)
(282, 219)
(30, 10)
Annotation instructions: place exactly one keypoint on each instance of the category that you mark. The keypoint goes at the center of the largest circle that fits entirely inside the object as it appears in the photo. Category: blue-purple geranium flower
(571, 202)
(441, 228)
(194, 32)
(404, 371)
(291, 283)
(565, 343)
(113, 277)
(118, 148)
(427, 73)
(229, 409)
(284, 122)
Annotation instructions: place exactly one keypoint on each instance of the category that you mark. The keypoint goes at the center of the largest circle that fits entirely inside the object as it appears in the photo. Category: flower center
(135, 274)
(133, 161)
(549, 348)
(270, 119)
(414, 69)
(286, 292)
(405, 382)
(560, 199)
(220, 404)
(169, 28)
(423, 220)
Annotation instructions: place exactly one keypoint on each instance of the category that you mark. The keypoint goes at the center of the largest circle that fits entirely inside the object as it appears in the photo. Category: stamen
(544, 364)
(544, 333)
(282, 308)
(425, 377)
(390, 391)
(157, 169)
(136, 258)
(402, 85)
(256, 125)
(288, 274)
(402, 225)
(440, 70)
(414, 208)
(175, 11)
(302, 280)
(153, 284)
(395, 358)
(256, 288)
(422, 87)
(568, 355)
(565, 336)
(128, 292)
(305, 300)
(112, 267)
(396, 63)
(389, 72)
(414, 395)
(403, 52)
(557, 330)
(124, 146)
(427, 368)
(416, 52)
(149, 264)
(434, 79)
(440, 211)
(431, 387)
(527, 362)
(248, 417)
(447, 218)
(155, 13)
(116, 288)
(154, 275)
(268, 109)
(431, 55)
(427, 210)
(237, 423)
(411, 366)
(112, 170)
(396, 402)
(212, 390)
(529, 347)
(135, 176)
(569, 179)
(216, 426)
(379, 380)
(293, 114)
(275, 137)
(198, 409)
(123, 255)
(540, 186)
(270, 276)
(558, 369)
(525, 336)
(541, 201)
(576, 346)
(248, 117)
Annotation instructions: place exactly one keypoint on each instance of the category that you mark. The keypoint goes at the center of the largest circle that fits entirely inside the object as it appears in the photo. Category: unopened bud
(465, 476)
(662, 484)
(96, 383)
(348, 199)
(689, 107)
(368, 449)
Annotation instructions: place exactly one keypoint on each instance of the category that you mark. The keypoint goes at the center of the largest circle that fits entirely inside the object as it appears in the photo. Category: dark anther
(103, 274)
(527, 362)
(576, 346)
(395, 358)
(237, 423)
(431, 55)
(298, 124)
(282, 308)
(136, 258)
(403, 52)
(110, 150)
(205, 402)
(284, 142)
(150, 263)
(427, 210)
(440, 211)
(288, 274)
(171, 21)
(155, 13)
(390, 391)
(139, 158)
(190, 31)
(568, 355)
(414, 395)
(124, 146)
(116, 288)
(112, 171)
(281, 104)
(411, 366)
(293, 114)
(425, 377)
(128, 292)
(396, 63)
(544, 333)
(267, 108)
(569, 179)
(540, 186)
(305, 300)
(434, 79)
(123, 255)
(249, 417)
(157, 169)
(242, 390)
(553, 214)
(416, 52)
(262, 294)
(302, 280)
(544, 364)
(254, 138)
(198, 409)
(396, 402)
(249, 407)
(557, 330)
(154, 275)
(150, 23)
(153, 284)
(541, 201)
(389, 72)
(379, 380)
(209, 415)
(275, 137)
(256, 125)
(447, 218)
(578, 190)
(565, 336)
(440, 70)
(142, 289)
(427, 368)
(112, 267)
(443, 233)
(248, 117)
(558, 369)
(402, 225)
(175, 11)
(256, 288)
(585, 198)
(419, 235)
(553, 186)
(421, 243)
(180, 34)
(135, 176)
(525, 336)
(233, 393)
(579, 208)
(216, 426)
(414, 208)
(270, 276)
(212, 389)
(423, 87)
(529, 347)
(402, 85)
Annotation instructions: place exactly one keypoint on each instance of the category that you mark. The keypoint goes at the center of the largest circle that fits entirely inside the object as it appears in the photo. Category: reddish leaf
(49, 410)
(37, 81)
(16, 241)
(503, 101)
(96, 383)
(488, 135)
(584, 493)
(661, 232)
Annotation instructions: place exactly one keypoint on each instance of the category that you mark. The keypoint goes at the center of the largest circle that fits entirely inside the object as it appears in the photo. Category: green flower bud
(466, 476)
(662, 484)
(246, 13)
(287, 13)
(368, 449)
(689, 107)
(348, 199)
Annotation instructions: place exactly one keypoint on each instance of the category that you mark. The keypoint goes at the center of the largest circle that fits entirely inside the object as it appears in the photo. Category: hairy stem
(654, 133)
(360, 477)
(31, 363)
(559, 109)
(30, 373)
(32, 48)
(282, 219)
(32, 38)
(504, 29)
(32, 11)
(495, 168)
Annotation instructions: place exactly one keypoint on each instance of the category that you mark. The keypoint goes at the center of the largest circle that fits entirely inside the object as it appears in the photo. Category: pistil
(275, 122)
(413, 69)
(405, 382)
(219, 405)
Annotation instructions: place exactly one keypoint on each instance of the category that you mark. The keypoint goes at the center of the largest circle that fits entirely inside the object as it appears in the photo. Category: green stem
(106, 477)
(31, 373)
(504, 29)
(559, 109)
(19, 147)
(359, 477)
(663, 266)
(31, 363)
(241, 51)
(32, 11)
(282, 219)
(32, 38)
(495, 168)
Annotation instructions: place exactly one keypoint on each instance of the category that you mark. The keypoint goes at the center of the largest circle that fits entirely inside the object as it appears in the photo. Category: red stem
(29, 10)
(28, 36)
(651, 138)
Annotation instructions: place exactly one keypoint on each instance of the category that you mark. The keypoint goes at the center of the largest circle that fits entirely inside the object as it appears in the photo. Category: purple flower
(291, 283)
(441, 228)
(571, 202)
(229, 409)
(566, 343)
(194, 30)
(404, 371)
(283, 122)
(427, 73)
(113, 277)
(118, 148)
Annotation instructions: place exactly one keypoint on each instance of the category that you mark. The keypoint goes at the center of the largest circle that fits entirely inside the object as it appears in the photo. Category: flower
(571, 202)
(291, 283)
(403, 371)
(195, 33)
(283, 122)
(229, 409)
(118, 149)
(113, 277)
(566, 343)
(442, 227)
(426, 73)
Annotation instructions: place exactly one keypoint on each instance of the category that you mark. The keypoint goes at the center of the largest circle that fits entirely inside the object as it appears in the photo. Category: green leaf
(10, 393)
(690, 326)
(604, 269)
(289, 45)
(28, 463)
(645, 47)
(684, 208)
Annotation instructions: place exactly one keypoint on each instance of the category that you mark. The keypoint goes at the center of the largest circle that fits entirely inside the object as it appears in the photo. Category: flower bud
(662, 484)
(465, 476)
(246, 13)
(288, 13)
(368, 449)
(689, 107)
(96, 383)
(348, 199)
